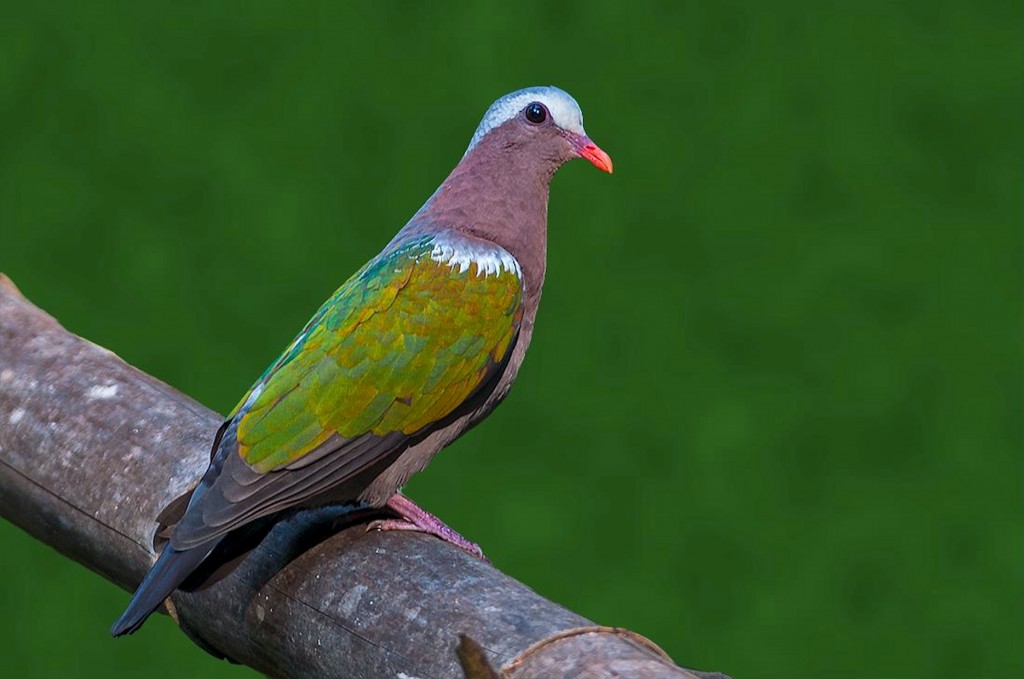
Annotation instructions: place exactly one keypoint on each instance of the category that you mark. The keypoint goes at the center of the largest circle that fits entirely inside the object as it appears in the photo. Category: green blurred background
(772, 415)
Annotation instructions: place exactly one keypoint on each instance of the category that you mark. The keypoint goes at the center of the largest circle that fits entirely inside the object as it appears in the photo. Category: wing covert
(398, 347)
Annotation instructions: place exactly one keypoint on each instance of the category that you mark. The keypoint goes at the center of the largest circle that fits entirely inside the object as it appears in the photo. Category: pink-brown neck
(499, 193)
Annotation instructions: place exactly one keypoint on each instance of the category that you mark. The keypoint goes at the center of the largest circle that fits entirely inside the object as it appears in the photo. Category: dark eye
(536, 113)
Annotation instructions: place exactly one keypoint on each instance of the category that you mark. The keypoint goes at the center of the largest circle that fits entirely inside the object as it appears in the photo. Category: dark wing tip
(128, 623)
(169, 571)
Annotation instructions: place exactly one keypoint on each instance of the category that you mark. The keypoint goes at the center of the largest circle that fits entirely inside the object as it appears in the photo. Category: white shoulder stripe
(489, 260)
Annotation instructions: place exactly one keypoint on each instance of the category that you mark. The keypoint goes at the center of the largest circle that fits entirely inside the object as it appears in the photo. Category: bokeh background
(772, 415)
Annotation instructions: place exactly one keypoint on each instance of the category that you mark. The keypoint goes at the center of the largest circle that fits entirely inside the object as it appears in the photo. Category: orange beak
(592, 152)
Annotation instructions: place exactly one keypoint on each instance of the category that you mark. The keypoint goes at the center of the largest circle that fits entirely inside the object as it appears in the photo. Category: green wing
(397, 348)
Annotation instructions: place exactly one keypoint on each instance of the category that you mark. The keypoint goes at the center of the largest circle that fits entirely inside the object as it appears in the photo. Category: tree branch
(92, 449)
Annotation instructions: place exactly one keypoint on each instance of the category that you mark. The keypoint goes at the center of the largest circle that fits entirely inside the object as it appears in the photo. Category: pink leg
(415, 518)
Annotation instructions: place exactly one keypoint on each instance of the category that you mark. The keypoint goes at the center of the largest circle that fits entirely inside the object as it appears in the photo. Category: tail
(169, 571)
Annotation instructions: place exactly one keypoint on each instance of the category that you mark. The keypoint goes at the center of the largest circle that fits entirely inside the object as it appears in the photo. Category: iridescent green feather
(398, 347)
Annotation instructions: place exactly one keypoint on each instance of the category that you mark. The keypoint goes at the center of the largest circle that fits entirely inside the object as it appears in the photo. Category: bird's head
(544, 120)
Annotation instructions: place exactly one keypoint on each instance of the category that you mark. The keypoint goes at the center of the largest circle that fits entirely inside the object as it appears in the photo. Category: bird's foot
(415, 518)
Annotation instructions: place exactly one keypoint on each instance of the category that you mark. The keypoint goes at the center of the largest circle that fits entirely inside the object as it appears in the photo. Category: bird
(417, 347)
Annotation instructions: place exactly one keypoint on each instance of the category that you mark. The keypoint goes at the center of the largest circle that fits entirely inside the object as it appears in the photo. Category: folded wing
(397, 349)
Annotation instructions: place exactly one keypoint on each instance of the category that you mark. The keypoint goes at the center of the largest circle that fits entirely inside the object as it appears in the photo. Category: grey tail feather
(169, 571)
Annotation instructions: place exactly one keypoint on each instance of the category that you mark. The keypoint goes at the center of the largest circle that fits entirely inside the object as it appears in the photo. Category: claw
(414, 518)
